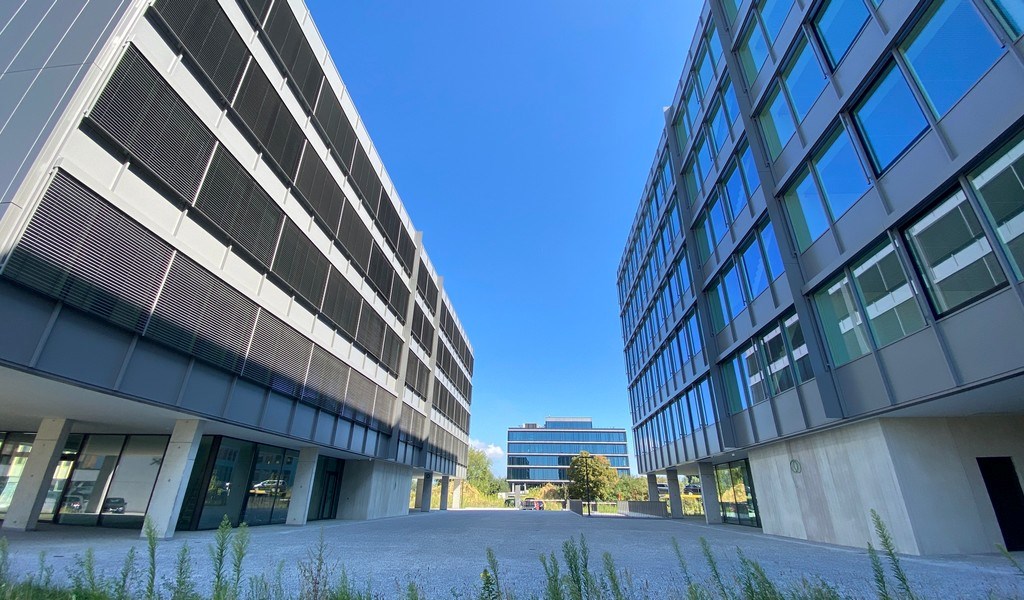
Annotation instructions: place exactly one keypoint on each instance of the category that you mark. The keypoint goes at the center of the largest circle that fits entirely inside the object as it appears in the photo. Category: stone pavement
(445, 551)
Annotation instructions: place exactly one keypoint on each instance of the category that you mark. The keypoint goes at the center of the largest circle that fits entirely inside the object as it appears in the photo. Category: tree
(478, 473)
(591, 477)
(630, 488)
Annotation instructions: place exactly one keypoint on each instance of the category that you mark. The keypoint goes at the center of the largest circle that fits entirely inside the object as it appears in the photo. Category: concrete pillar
(652, 487)
(302, 489)
(428, 486)
(172, 481)
(709, 492)
(444, 492)
(373, 489)
(675, 500)
(457, 494)
(35, 480)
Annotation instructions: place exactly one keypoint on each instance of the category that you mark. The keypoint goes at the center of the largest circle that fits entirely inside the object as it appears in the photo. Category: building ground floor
(941, 484)
(76, 456)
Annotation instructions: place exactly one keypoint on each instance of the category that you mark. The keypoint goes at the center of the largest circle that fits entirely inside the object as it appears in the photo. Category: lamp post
(586, 474)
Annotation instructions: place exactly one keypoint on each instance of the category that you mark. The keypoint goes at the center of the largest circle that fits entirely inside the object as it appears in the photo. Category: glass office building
(214, 301)
(822, 302)
(540, 454)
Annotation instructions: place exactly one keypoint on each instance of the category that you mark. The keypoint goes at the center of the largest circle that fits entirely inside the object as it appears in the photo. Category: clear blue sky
(519, 136)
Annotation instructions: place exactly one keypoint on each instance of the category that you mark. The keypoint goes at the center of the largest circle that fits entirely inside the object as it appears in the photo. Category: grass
(574, 575)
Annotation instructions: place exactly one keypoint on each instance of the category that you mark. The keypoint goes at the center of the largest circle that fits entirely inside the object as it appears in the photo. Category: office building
(540, 454)
(822, 290)
(214, 302)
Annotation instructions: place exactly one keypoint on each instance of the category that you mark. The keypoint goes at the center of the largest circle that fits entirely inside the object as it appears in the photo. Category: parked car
(531, 504)
(72, 503)
(663, 489)
(114, 505)
(692, 488)
(269, 486)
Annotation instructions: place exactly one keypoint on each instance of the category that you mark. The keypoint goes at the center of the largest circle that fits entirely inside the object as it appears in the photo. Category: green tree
(478, 473)
(591, 477)
(630, 488)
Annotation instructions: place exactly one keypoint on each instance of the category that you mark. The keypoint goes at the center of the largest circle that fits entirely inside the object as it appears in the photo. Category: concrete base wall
(374, 490)
(921, 475)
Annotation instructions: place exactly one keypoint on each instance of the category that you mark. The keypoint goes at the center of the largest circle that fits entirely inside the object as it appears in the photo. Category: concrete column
(652, 487)
(35, 480)
(302, 489)
(675, 500)
(457, 494)
(709, 492)
(444, 492)
(428, 486)
(373, 489)
(172, 481)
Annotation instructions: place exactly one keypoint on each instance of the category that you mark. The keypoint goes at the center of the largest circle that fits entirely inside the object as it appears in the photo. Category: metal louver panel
(422, 330)
(366, 180)
(258, 7)
(406, 250)
(380, 272)
(299, 263)
(340, 134)
(207, 33)
(388, 219)
(416, 375)
(231, 198)
(199, 314)
(320, 189)
(399, 299)
(326, 381)
(144, 115)
(278, 356)
(383, 408)
(342, 303)
(263, 111)
(81, 250)
(392, 353)
(355, 238)
(286, 36)
(359, 397)
(371, 332)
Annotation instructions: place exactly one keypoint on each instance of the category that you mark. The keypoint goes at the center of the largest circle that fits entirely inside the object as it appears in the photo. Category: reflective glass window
(777, 122)
(86, 489)
(889, 118)
(690, 184)
(134, 478)
(1011, 13)
(719, 306)
(719, 126)
(841, 320)
(681, 131)
(749, 168)
(771, 251)
(754, 269)
(842, 178)
(704, 160)
(692, 106)
(798, 346)
(704, 240)
(889, 301)
(730, 6)
(734, 291)
(949, 51)
(954, 256)
(706, 71)
(714, 44)
(753, 52)
(773, 15)
(806, 212)
(716, 216)
(1000, 188)
(804, 79)
(777, 365)
(13, 457)
(732, 106)
(735, 192)
(693, 334)
(838, 24)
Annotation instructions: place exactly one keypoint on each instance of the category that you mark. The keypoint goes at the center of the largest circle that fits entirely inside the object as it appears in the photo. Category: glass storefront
(13, 455)
(326, 489)
(736, 493)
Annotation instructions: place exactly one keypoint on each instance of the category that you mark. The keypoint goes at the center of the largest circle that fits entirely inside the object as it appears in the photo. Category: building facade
(537, 455)
(822, 301)
(214, 302)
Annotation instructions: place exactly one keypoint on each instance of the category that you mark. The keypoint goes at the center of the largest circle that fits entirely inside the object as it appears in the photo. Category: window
(753, 52)
(719, 127)
(705, 72)
(953, 254)
(840, 318)
(838, 24)
(777, 122)
(732, 106)
(690, 184)
(705, 241)
(1010, 12)
(754, 270)
(735, 193)
(889, 118)
(949, 51)
(770, 245)
(692, 105)
(797, 344)
(726, 298)
(774, 362)
(889, 302)
(773, 15)
(716, 216)
(681, 131)
(731, 8)
(714, 45)
(693, 334)
(749, 168)
(804, 79)
(777, 362)
(806, 212)
(734, 290)
(999, 187)
(704, 160)
(842, 179)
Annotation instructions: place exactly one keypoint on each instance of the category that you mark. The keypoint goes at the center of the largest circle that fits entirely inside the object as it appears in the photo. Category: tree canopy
(478, 473)
(591, 477)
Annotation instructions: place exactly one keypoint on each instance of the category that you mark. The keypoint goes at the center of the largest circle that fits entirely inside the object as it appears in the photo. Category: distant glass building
(539, 455)
(822, 293)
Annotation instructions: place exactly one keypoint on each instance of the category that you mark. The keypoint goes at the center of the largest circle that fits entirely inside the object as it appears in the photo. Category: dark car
(531, 504)
(114, 505)
(692, 488)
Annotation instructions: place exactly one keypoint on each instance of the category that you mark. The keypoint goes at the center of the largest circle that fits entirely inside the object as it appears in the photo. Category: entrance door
(1007, 498)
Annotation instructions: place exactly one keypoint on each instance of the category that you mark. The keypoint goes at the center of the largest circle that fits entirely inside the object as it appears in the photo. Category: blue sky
(519, 136)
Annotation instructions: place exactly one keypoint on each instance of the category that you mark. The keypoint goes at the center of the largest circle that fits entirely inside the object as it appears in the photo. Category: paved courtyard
(443, 552)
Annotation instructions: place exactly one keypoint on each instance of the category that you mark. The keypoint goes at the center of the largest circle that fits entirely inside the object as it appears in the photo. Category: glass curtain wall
(736, 493)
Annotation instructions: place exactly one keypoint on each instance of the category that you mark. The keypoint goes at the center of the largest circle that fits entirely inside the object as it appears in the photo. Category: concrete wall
(374, 489)
(921, 475)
